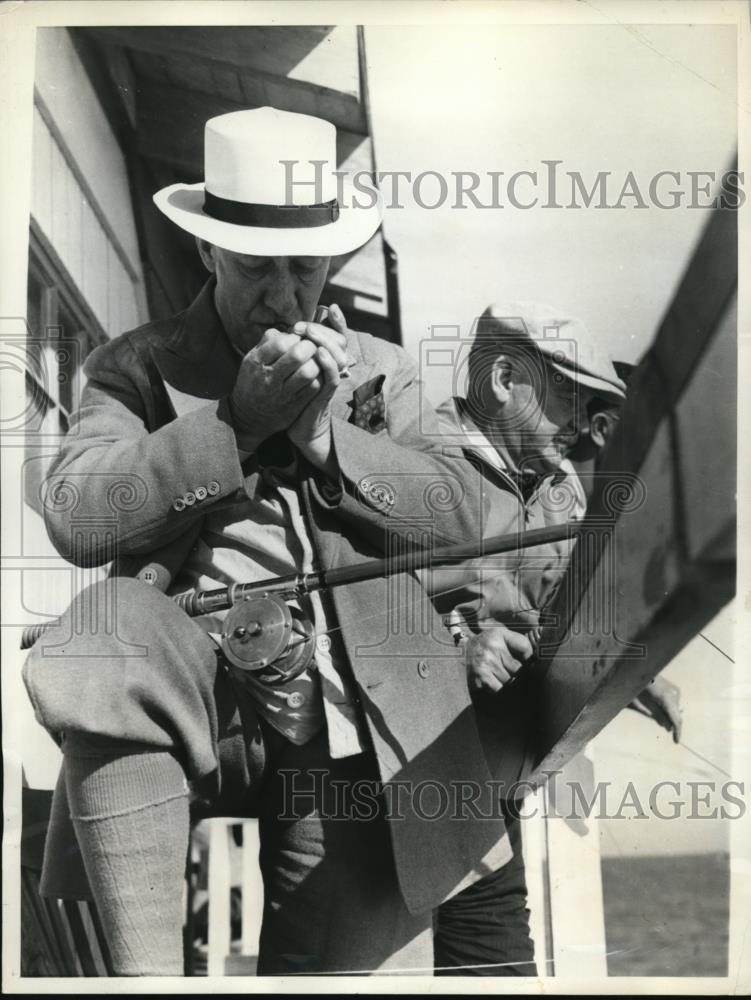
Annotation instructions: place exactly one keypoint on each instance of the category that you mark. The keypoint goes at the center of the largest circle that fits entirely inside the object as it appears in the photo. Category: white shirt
(262, 536)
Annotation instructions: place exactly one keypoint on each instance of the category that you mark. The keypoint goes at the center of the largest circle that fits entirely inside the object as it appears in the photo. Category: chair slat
(101, 938)
(58, 928)
(39, 955)
(80, 940)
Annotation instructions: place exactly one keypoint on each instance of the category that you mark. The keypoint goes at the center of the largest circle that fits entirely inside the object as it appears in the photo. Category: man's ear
(599, 429)
(206, 250)
(501, 382)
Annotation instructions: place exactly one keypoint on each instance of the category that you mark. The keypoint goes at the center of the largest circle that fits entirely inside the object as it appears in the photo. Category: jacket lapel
(345, 399)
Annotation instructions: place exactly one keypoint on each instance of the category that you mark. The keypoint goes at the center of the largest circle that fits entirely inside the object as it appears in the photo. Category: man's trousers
(127, 666)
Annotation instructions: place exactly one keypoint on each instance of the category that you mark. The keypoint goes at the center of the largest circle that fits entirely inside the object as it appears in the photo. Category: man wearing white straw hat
(227, 444)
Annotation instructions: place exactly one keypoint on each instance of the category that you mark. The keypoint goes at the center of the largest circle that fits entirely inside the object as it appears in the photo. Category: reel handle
(268, 638)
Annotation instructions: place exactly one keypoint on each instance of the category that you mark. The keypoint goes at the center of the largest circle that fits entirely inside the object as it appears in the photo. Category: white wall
(505, 97)
(81, 202)
(73, 140)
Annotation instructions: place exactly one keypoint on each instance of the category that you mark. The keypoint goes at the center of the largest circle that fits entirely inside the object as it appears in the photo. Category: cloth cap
(565, 344)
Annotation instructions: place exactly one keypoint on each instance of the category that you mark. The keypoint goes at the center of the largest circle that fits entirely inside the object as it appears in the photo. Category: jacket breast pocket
(369, 406)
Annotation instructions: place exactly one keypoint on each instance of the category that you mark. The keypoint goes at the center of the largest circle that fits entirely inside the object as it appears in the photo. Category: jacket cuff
(206, 452)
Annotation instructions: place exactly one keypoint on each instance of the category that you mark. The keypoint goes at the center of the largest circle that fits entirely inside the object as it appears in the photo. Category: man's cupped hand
(286, 382)
(311, 430)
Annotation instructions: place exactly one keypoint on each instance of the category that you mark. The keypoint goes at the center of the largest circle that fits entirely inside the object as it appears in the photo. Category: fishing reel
(265, 636)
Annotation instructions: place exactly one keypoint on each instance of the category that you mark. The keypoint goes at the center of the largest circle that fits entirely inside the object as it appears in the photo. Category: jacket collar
(197, 362)
(476, 442)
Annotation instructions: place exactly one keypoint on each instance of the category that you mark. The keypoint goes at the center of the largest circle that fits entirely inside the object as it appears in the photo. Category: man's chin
(548, 461)
(561, 449)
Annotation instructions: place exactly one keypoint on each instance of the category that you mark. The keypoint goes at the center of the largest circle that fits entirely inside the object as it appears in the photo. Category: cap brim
(183, 205)
(611, 390)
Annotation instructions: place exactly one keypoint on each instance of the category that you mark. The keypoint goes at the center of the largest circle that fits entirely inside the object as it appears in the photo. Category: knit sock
(130, 814)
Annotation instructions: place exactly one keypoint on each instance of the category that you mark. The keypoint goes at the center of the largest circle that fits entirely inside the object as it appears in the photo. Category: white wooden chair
(231, 866)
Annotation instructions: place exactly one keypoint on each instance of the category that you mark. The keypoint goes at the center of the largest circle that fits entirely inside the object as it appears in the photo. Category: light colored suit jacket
(514, 589)
(151, 450)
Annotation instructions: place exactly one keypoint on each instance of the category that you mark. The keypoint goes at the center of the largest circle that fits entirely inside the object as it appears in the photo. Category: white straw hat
(253, 202)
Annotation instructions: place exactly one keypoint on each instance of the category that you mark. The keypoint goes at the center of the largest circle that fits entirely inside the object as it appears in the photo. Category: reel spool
(265, 636)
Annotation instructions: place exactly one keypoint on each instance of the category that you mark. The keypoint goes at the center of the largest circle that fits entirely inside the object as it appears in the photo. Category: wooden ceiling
(158, 87)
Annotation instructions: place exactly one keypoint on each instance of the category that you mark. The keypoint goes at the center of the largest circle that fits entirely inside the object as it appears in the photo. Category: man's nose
(280, 292)
(581, 416)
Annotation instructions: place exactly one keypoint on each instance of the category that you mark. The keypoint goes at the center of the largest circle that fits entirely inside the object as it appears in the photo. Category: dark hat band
(243, 213)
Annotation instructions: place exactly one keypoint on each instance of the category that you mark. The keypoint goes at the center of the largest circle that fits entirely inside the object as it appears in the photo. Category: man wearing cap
(531, 372)
(227, 445)
(538, 391)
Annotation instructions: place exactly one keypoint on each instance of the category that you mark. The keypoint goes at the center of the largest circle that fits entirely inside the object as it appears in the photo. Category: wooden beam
(221, 63)
(686, 332)
(651, 573)
(273, 50)
(567, 728)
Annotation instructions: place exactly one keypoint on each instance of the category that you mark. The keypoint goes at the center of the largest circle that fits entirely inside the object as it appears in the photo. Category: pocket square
(369, 405)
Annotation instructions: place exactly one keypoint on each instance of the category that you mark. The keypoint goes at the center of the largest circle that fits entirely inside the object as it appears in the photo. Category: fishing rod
(265, 634)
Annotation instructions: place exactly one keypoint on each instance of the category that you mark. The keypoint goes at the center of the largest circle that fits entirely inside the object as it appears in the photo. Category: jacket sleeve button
(423, 669)
(189, 498)
(213, 488)
(178, 503)
(201, 493)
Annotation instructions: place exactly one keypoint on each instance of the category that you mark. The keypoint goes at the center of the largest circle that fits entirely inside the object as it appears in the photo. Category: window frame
(63, 311)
